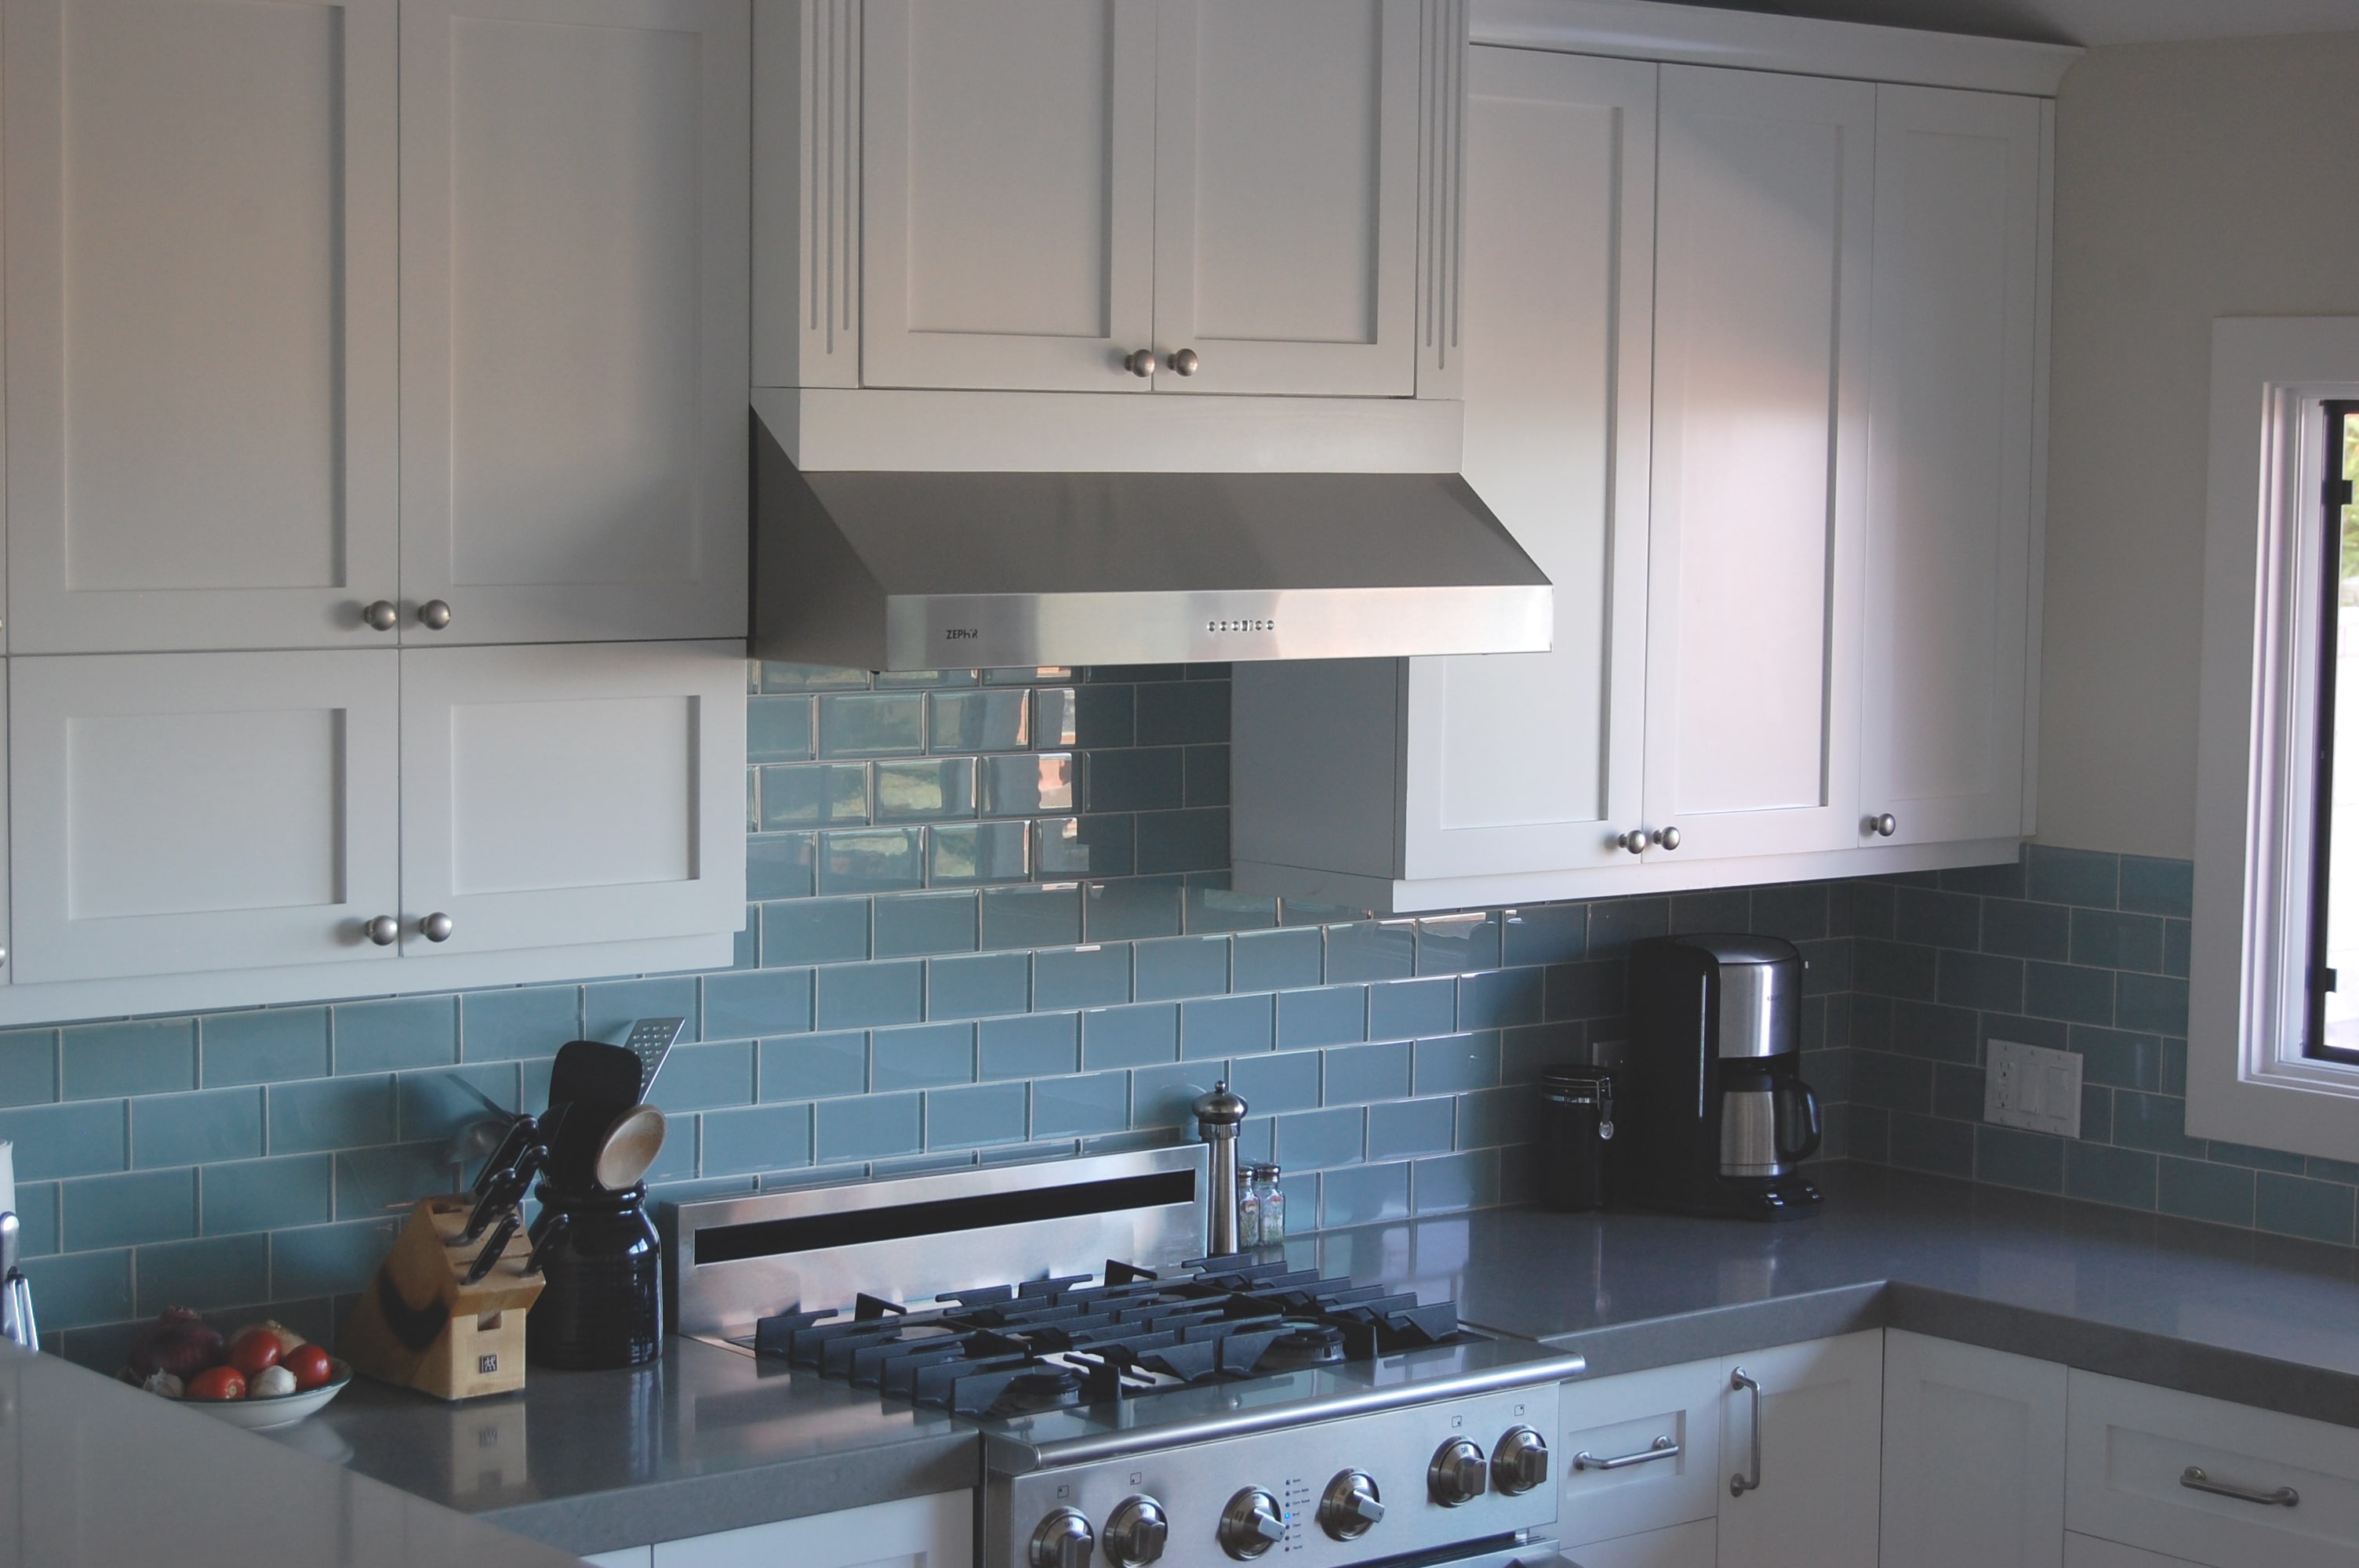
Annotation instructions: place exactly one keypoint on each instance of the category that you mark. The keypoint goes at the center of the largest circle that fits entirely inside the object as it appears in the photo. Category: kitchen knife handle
(489, 1257)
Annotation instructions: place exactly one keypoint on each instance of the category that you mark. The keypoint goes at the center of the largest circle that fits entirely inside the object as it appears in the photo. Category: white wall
(2192, 181)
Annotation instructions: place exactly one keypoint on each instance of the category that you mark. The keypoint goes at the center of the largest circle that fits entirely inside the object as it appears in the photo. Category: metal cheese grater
(651, 1041)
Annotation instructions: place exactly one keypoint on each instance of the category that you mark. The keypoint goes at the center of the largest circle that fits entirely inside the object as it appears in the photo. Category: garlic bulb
(270, 1382)
(164, 1383)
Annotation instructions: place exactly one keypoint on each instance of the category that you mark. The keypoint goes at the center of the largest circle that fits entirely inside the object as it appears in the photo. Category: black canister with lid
(1576, 1133)
(603, 1307)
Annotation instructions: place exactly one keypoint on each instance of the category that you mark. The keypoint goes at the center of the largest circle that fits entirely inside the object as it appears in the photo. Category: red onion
(178, 1342)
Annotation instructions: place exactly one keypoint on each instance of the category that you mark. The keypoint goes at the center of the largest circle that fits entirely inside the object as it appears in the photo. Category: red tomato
(254, 1349)
(217, 1383)
(310, 1365)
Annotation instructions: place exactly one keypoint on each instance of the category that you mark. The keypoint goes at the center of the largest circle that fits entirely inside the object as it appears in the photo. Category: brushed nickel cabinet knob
(1668, 837)
(435, 927)
(1185, 361)
(384, 930)
(1883, 827)
(1140, 362)
(434, 615)
(1635, 841)
(380, 615)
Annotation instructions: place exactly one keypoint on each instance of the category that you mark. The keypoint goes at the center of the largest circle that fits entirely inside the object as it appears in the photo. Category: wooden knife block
(417, 1326)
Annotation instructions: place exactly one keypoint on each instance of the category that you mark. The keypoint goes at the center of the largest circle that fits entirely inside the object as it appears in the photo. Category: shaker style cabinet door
(200, 426)
(553, 795)
(1973, 1457)
(1761, 322)
(1007, 204)
(1531, 761)
(1950, 416)
(1286, 180)
(1821, 1420)
(574, 326)
(199, 812)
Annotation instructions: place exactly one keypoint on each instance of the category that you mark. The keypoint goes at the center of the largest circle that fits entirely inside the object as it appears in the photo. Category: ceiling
(2088, 22)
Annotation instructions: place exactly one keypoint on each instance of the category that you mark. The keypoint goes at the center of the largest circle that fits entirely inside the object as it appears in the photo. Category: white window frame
(2248, 1080)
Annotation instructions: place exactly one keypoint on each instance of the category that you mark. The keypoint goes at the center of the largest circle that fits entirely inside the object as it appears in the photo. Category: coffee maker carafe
(1718, 1117)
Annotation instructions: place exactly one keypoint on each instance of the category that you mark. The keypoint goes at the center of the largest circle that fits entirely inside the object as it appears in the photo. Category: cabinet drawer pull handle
(1661, 1448)
(1739, 1484)
(2195, 1480)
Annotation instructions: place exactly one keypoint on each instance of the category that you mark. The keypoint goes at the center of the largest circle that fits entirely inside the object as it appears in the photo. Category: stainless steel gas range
(1140, 1403)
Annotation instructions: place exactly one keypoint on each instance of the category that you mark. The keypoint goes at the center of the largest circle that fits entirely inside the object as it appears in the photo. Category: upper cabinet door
(1286, 152)
(199, 812)
(1531, 761)
(1759, 462)
(555, 795)
(574, 328)
(201, 428)
(1950, 415)
(1008, 171)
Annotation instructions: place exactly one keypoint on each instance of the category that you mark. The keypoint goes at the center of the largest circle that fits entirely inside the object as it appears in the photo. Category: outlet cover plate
(2031, 1088)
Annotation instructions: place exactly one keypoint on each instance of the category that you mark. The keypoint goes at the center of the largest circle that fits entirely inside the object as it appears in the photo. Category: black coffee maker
(1716, 1115)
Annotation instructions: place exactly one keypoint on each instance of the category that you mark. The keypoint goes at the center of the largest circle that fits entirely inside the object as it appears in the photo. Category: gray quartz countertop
(708, 1440)
(703, 1440)
(2233, 1314)
(94, 1474)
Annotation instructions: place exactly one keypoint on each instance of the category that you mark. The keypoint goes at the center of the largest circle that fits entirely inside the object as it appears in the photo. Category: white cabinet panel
(1672, 1412)
(1957, 268)
(1691, 1545)
(2130, 1450)
(935, 1531)
(574, 317)
(1286, 178)
(200, 322)
(1521, 761)
(2088, 1552)
(1759, 465)
(1007, 169)
(1973, 1457)
(1821, 1421)
(555, 794)
(201, 811)
(628, 1557)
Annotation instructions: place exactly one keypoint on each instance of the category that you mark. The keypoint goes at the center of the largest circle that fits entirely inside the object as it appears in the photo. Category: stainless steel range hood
(922, 570)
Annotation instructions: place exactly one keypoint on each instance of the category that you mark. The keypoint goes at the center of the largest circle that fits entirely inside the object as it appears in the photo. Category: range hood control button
(1251, 1525)
(1062, 1541)
(1135, 1532)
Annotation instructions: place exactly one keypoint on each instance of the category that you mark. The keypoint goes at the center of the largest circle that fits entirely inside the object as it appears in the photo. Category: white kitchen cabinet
(1819, 1415)
(1950, 420)
(203, 812)
(1508, 762)
(1007, 194)
(554, 794)
(1692, 1545)
(936, 1531)
(574, 335)
(1285, 193)
(2088, 1552)
(200, 306)
(1757, 522)
(2213, 1482)
(1973, 1457)
(1639, 1453)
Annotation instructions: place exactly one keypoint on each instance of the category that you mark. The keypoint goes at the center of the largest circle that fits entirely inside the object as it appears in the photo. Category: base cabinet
(936, 1531)
(1973, 1457)
(1640, 1452)
(2089, 1552)
(1690, 1546)
(1806, 1442)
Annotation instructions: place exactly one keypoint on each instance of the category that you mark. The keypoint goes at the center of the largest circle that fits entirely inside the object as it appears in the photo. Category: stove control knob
(1135, 1532)
(1062, 1541)
(1458, 1474)
(1251, 1524)
(1519, 1460)
(1351, 1506)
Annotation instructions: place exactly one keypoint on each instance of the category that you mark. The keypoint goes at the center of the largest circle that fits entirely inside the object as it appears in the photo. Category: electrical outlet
(2028, 1086)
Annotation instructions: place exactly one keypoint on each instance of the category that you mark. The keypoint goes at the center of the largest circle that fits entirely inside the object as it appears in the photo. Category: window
(2273, 1048)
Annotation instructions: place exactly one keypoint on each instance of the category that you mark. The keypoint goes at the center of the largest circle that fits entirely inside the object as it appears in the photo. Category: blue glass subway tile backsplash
(992, 920)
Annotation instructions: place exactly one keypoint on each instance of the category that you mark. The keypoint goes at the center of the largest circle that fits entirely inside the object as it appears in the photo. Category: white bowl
(277, 1409)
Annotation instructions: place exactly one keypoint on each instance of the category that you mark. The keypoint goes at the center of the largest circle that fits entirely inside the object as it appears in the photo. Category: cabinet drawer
(1609, 1490)
(2131, 1452)
(1695, 1545)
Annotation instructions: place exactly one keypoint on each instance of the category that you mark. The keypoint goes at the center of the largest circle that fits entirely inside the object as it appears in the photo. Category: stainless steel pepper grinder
(1217, 1116)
